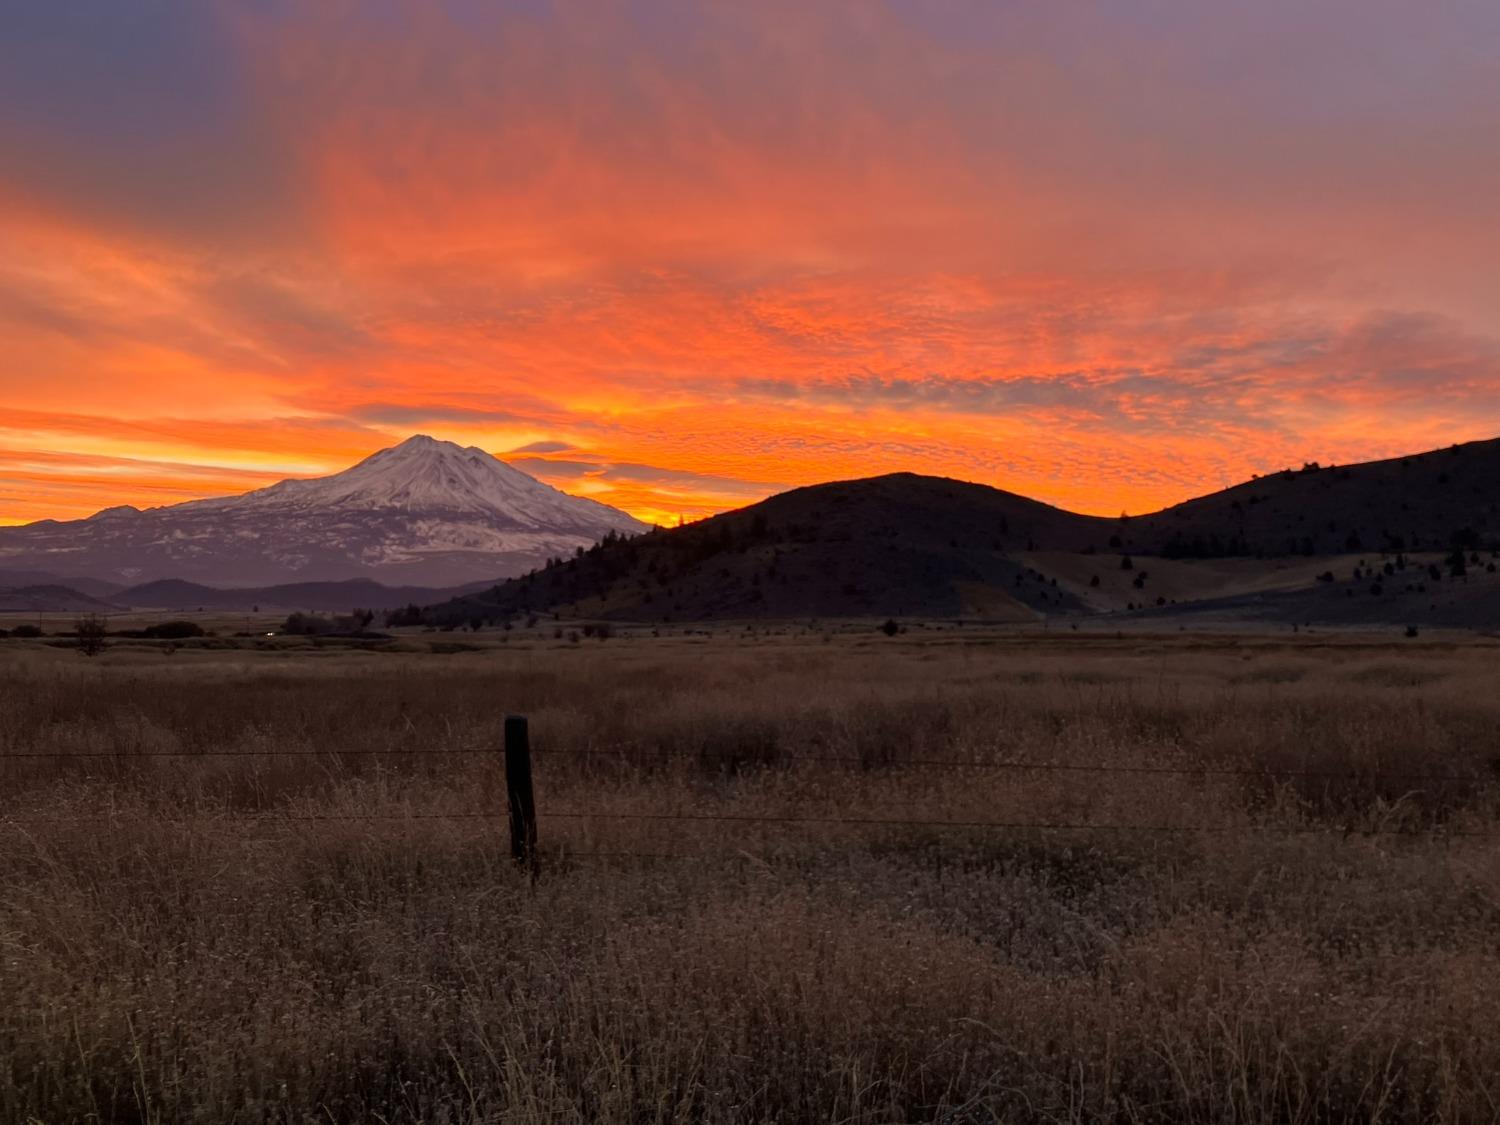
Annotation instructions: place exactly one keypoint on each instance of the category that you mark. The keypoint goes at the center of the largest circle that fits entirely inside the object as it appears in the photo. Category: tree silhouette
(91, 632)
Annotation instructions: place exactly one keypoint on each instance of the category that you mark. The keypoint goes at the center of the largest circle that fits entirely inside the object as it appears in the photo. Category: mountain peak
(119, 510)
(426, 475)
(426, 510)
(419, 442)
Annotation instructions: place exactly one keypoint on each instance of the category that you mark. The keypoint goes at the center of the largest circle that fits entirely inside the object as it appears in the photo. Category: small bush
(91, 631)
(306, 625)
(316, 625)
(27, 631)
(406, 616)
(173, 631)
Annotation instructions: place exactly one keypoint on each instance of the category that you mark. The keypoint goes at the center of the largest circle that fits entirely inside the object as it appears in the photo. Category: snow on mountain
(425, 511)
(424, 475)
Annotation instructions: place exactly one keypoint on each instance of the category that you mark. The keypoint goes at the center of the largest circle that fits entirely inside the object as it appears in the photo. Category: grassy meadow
(945, 876)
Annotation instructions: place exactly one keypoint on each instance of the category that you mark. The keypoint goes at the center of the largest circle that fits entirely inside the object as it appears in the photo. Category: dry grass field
(786, 878)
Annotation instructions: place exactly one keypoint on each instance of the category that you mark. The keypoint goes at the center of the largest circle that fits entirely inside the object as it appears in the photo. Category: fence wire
(106, 817)
(633, 755)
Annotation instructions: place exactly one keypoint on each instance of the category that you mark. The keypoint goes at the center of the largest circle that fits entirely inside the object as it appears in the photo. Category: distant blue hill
(335, 597)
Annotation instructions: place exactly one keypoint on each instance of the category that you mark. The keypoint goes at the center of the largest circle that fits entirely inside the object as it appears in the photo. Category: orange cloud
(702, 253)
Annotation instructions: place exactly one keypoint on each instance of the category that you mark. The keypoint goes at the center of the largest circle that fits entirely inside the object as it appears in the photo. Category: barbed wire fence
(522, 816)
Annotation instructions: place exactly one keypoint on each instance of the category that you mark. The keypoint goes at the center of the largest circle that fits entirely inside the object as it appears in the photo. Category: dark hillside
(908, 545)
(93, 587)
(1426, 502)
(895, 545)
(51, 599)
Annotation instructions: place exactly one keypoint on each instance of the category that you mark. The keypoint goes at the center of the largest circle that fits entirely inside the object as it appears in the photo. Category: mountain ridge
(51, 598)
(335, 597)
(901, 544)
(424, 512)
(909, 545)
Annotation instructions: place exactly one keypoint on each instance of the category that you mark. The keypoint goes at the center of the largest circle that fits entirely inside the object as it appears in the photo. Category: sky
(677, 256)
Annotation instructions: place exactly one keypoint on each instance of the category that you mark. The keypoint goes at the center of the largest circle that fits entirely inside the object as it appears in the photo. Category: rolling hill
(1280, 547)
(335, 597)
(1424, 502)
(82, 584)
(51, 599)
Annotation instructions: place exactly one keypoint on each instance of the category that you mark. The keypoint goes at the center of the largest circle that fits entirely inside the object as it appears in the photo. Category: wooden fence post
(519, 793)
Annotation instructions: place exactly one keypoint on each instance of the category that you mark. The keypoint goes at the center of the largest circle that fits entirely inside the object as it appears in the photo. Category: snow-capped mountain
(425, 511)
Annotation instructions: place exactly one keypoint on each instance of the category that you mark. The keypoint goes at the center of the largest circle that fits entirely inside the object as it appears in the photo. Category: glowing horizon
(677, 257)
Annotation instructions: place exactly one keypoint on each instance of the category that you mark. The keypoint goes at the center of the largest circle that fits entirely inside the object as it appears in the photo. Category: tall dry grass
(200, 938)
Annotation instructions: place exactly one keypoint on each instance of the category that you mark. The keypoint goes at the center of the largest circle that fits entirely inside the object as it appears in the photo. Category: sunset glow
(677, 257)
